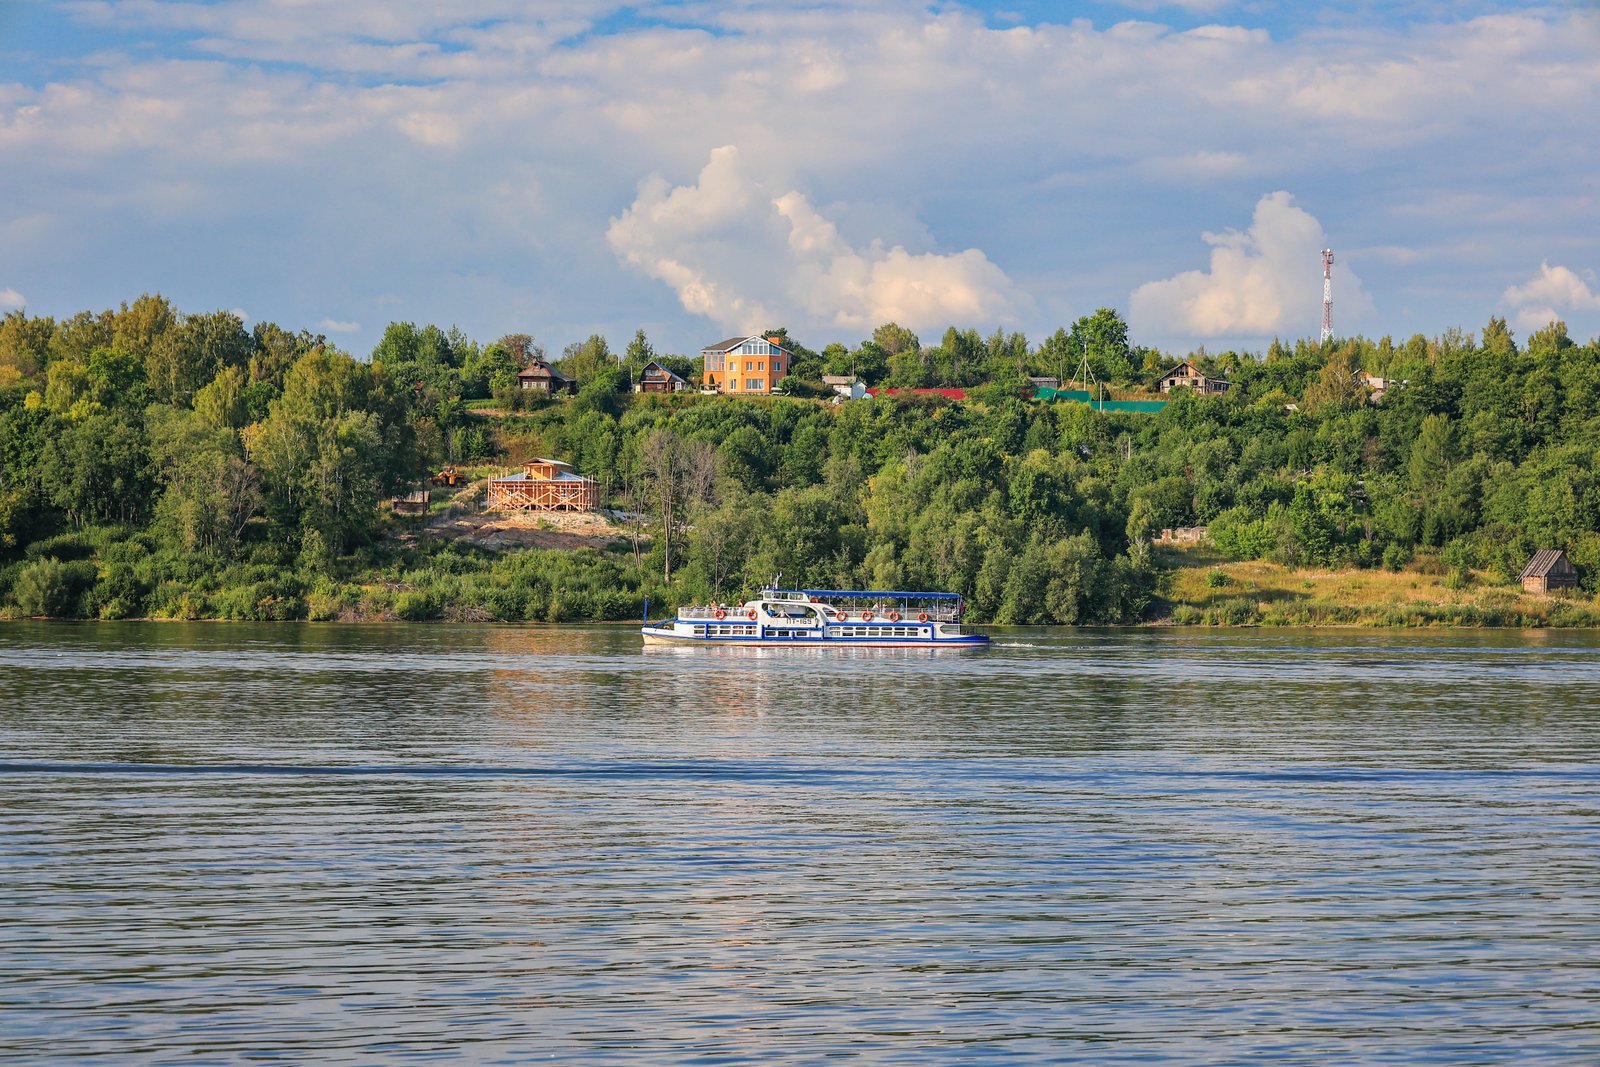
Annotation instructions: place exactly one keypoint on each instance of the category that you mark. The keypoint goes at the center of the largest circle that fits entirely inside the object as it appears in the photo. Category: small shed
(845, 386)
(412, 503)
(1549, 571)
(1183, 535)
(543, 485)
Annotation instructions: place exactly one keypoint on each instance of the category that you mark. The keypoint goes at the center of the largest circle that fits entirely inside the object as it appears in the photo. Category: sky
(701, 170)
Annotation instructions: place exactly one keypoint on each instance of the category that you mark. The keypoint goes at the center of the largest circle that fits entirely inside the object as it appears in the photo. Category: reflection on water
(370, 844)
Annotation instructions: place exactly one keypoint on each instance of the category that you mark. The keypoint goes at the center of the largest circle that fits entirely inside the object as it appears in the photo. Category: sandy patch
(555, 529)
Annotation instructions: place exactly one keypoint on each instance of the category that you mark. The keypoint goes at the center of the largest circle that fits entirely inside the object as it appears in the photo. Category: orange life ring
(750, 614)
(721, 614)
(866, 616)
(894, 616)
(922, 616)
(838, 616)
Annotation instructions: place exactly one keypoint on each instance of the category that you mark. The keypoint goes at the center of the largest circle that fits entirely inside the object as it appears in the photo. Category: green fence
(1082, 396)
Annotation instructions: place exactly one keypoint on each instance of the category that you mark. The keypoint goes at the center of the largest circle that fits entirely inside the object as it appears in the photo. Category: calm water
(486, 844)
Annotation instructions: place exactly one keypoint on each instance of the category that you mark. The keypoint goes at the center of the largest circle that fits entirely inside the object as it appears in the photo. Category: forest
(161, 464)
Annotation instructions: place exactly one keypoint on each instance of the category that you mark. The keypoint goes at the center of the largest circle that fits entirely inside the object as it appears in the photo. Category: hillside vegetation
(159, 464)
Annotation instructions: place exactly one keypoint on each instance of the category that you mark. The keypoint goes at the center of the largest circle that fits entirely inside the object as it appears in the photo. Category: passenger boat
(822, 618)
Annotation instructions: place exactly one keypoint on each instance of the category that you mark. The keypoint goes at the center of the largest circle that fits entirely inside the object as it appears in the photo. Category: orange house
(745, 364)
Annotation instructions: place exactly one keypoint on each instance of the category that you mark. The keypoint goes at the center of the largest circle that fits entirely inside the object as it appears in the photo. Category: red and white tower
(1327, 294)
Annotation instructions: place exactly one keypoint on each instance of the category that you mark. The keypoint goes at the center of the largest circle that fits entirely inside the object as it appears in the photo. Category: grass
(1202, 587)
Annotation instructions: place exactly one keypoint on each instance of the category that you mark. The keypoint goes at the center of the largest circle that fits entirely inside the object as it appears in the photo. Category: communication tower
(1327, 294)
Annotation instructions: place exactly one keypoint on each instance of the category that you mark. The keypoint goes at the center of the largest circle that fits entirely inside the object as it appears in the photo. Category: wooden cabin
(1549, 571)
(657, 379)
(1187, 374)
(543, 485)
(542, 377)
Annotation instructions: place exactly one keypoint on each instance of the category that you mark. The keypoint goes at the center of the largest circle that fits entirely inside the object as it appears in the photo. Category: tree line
(160, 463)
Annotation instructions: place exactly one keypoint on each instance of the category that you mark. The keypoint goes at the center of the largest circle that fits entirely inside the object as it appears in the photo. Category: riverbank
(1200, 587)
(461, 567)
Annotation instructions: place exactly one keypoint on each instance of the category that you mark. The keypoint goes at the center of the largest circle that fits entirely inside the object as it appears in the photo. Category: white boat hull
(805, 618)
(660, 636)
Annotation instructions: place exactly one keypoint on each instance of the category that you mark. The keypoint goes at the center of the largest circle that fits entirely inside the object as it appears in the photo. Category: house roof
(561, 476)
(734, 342)
(838, 379)
(563, 473)
(1545, 562)
(541, 369)
(1187, 369)
(659, 367)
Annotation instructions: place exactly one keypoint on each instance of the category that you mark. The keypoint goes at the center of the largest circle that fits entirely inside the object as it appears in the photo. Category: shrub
(173, 599)
(1187, 615)
(1218, 579)
(67, 546)
(1241, 536)
(328, 601)
(53, 589)
(1396, 555)
(1237, 611)
(121, 593)
(416, 605)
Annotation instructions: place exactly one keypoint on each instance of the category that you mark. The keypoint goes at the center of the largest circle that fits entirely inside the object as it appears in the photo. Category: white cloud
(745, 256)
(1550, 294)
(335, 326)
(467, 157)
(1262, 282)
(10, 300)
(1202, 7)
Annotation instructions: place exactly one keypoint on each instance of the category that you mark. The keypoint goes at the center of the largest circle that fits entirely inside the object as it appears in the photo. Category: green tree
(1432, 454)
(188, 356)
(677, 473)
(140, 327)
(24, 346)
(99, 470)
(211, 492)
(638, 355)
(589, 359)
(895, 339)
(1103, 338)
(223, 403)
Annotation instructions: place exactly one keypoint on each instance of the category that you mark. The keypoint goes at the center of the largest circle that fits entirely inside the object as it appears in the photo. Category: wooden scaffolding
(543, 485)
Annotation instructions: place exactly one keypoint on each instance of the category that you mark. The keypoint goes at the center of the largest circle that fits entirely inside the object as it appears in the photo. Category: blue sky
(697, 169)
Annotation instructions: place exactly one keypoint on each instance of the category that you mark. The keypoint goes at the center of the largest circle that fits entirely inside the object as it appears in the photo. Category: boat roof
(894, 594)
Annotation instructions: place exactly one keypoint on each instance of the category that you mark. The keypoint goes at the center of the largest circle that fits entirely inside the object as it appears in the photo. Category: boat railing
(831, 612)
(709, 611)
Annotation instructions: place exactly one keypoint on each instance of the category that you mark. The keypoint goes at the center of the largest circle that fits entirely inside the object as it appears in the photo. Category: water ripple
(497, 844)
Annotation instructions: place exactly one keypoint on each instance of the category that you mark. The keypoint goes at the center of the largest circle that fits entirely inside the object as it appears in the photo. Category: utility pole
(1327, 294)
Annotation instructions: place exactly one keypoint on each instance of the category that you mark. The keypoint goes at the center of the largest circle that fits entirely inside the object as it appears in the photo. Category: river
(390, 844)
